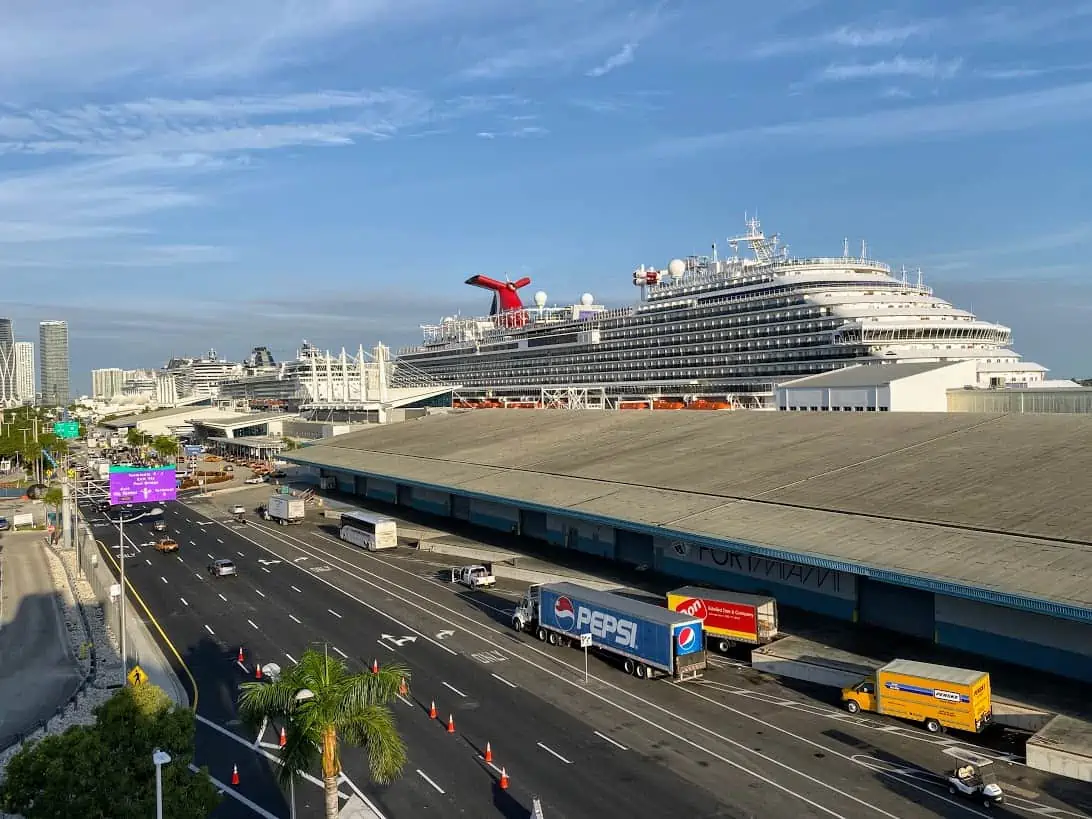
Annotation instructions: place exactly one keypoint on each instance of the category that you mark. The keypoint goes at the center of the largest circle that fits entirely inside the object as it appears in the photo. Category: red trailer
(727, 617)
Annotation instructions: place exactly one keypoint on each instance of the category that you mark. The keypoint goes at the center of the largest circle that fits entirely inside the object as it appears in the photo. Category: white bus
(369, 531)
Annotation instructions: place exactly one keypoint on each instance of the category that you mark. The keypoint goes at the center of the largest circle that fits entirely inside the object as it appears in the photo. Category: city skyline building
(26, 385)
(54, 362)
(7, 363)
(107, 382)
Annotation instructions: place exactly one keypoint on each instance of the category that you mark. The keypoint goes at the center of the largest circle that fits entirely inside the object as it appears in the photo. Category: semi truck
(648, 640)
(727, 617)
(937, 696)
(285, 509)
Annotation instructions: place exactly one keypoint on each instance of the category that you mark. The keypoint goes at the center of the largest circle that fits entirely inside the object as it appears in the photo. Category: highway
(614, 747)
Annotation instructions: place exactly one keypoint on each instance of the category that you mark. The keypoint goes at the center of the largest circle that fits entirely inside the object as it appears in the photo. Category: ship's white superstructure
(712, 329)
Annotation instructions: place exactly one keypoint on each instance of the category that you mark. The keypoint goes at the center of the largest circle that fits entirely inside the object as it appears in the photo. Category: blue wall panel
(382, 490)
(346, 483)
(533, 524)
(842, 608)
(1047, 658)
(430, 501)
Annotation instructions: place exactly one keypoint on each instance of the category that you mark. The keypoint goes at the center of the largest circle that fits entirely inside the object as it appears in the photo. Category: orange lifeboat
(668, 405)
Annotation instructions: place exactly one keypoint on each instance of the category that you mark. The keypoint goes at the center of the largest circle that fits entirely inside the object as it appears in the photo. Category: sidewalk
(38, 672)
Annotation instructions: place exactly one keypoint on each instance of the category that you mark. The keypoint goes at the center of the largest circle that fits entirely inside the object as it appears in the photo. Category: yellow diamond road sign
(137, 676)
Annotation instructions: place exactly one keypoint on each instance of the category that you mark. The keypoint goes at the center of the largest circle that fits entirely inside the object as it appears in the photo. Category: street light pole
(121, 557)
(159, 759)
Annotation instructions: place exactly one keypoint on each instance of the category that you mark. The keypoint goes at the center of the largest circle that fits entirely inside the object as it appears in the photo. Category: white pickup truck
(476, 576)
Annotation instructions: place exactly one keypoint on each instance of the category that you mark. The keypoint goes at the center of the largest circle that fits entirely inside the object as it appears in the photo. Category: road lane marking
(424, 776)
(386, 586)
(148, 561)
(294, 618)
(161, 577)
(192, 543)
(453, 688)
(221, 597)
(210, 556)
(384, 644)
(506, 682)
(291, 659)
(252, 624)
(183, 599)
(198, 575)
(179, 558)
(264, 569)
(230, 790)
(218, 540)
(297, 590)
(549, 750)
(240, 554)
(209, 630)
(259, 592)
(611, 741)
(339, 651)
(338, 616)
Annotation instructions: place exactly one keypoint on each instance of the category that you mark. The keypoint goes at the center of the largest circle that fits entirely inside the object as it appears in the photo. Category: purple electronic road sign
(128, 485)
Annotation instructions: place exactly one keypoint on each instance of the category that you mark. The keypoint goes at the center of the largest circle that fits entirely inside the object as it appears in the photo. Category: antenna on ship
(714, 253)
(864, 249)
(920, 283)
(845, 248)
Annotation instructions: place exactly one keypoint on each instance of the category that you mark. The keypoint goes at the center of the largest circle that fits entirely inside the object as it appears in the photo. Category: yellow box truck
(937, 696)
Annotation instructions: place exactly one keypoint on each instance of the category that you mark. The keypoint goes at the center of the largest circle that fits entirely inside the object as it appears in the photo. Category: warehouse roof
(868, 375)
(983, 501)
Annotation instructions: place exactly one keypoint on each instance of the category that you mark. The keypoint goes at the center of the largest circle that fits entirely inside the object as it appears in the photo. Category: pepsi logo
(564, 613)
(693, 608)
(688, 638)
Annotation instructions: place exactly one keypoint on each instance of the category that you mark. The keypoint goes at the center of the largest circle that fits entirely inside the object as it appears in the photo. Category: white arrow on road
(399, 641)
(267, 562)
(298, 559)
(440, 635)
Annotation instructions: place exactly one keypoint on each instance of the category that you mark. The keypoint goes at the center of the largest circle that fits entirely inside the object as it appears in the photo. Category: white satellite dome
(676, 267)
(540, 298)
(587, 300)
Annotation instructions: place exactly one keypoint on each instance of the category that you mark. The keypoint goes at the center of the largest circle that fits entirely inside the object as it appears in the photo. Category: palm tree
(323, 705)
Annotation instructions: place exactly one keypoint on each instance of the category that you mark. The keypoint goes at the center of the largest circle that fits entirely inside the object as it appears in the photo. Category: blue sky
(179, 176)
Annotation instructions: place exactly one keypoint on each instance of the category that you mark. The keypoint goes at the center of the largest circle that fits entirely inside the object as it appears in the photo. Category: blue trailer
(648, 640)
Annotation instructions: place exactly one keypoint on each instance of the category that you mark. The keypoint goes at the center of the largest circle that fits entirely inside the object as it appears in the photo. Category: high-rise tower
(53, 353)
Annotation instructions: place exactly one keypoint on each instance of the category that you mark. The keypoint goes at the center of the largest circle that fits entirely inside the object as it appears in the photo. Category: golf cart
(977, 784)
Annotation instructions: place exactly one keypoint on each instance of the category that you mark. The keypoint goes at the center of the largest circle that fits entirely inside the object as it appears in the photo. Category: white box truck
(285, 509)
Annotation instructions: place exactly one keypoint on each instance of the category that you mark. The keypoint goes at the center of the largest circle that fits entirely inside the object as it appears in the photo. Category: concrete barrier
(1063, 747)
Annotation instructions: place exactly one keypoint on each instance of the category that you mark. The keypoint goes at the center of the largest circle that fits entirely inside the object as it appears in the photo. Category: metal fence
(96, 569)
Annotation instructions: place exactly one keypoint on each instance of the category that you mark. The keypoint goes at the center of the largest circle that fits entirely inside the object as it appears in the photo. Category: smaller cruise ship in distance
(708, 332)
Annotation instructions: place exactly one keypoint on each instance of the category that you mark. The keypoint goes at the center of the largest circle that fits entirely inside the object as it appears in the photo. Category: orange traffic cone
(504, 779)
(235, 775)
(432, 711)
(284, 737)
(451, 723)
(257, 671)
(240, 657)
(375, 666)
(488, 752)
(403, 689)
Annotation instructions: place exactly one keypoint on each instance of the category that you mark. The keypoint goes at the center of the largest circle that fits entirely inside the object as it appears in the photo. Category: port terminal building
(968, 530)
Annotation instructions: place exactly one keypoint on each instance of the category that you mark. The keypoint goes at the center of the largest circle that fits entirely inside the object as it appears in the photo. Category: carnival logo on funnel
(688, 638)
(564, 613)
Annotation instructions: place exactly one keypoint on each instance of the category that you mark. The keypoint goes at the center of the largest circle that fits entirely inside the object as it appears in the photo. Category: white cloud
(620, 58)
(923, 68)
(1013, 112)
(563, 38)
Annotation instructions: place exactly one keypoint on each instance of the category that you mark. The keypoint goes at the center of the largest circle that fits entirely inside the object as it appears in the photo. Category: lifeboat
(702, 404)
(668, 405)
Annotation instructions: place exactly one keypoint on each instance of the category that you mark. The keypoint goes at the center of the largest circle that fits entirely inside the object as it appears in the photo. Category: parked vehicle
(285, 509)
(222, 568)
(727, 617)
(976, 782)
(368, 530)
(937, 696)
(256, 479)
(477, 576)
(5, 524)
(648, 640)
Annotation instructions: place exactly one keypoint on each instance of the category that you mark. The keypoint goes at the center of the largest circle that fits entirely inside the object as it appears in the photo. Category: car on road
(255, 480)
(5, 524)
(222, 568)
(238, 509)
(166, 545)
(160, 526)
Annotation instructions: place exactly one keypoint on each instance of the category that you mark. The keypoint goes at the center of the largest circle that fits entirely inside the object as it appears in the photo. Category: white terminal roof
(992, 502)
(869, 375)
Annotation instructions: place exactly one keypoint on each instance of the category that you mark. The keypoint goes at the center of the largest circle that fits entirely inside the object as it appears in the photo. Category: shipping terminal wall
(968, 623)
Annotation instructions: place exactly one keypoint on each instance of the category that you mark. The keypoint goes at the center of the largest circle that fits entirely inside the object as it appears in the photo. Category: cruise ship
(708, 332)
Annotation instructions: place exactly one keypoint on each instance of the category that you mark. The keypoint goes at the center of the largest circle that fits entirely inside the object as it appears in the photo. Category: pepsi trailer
(648, 640)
